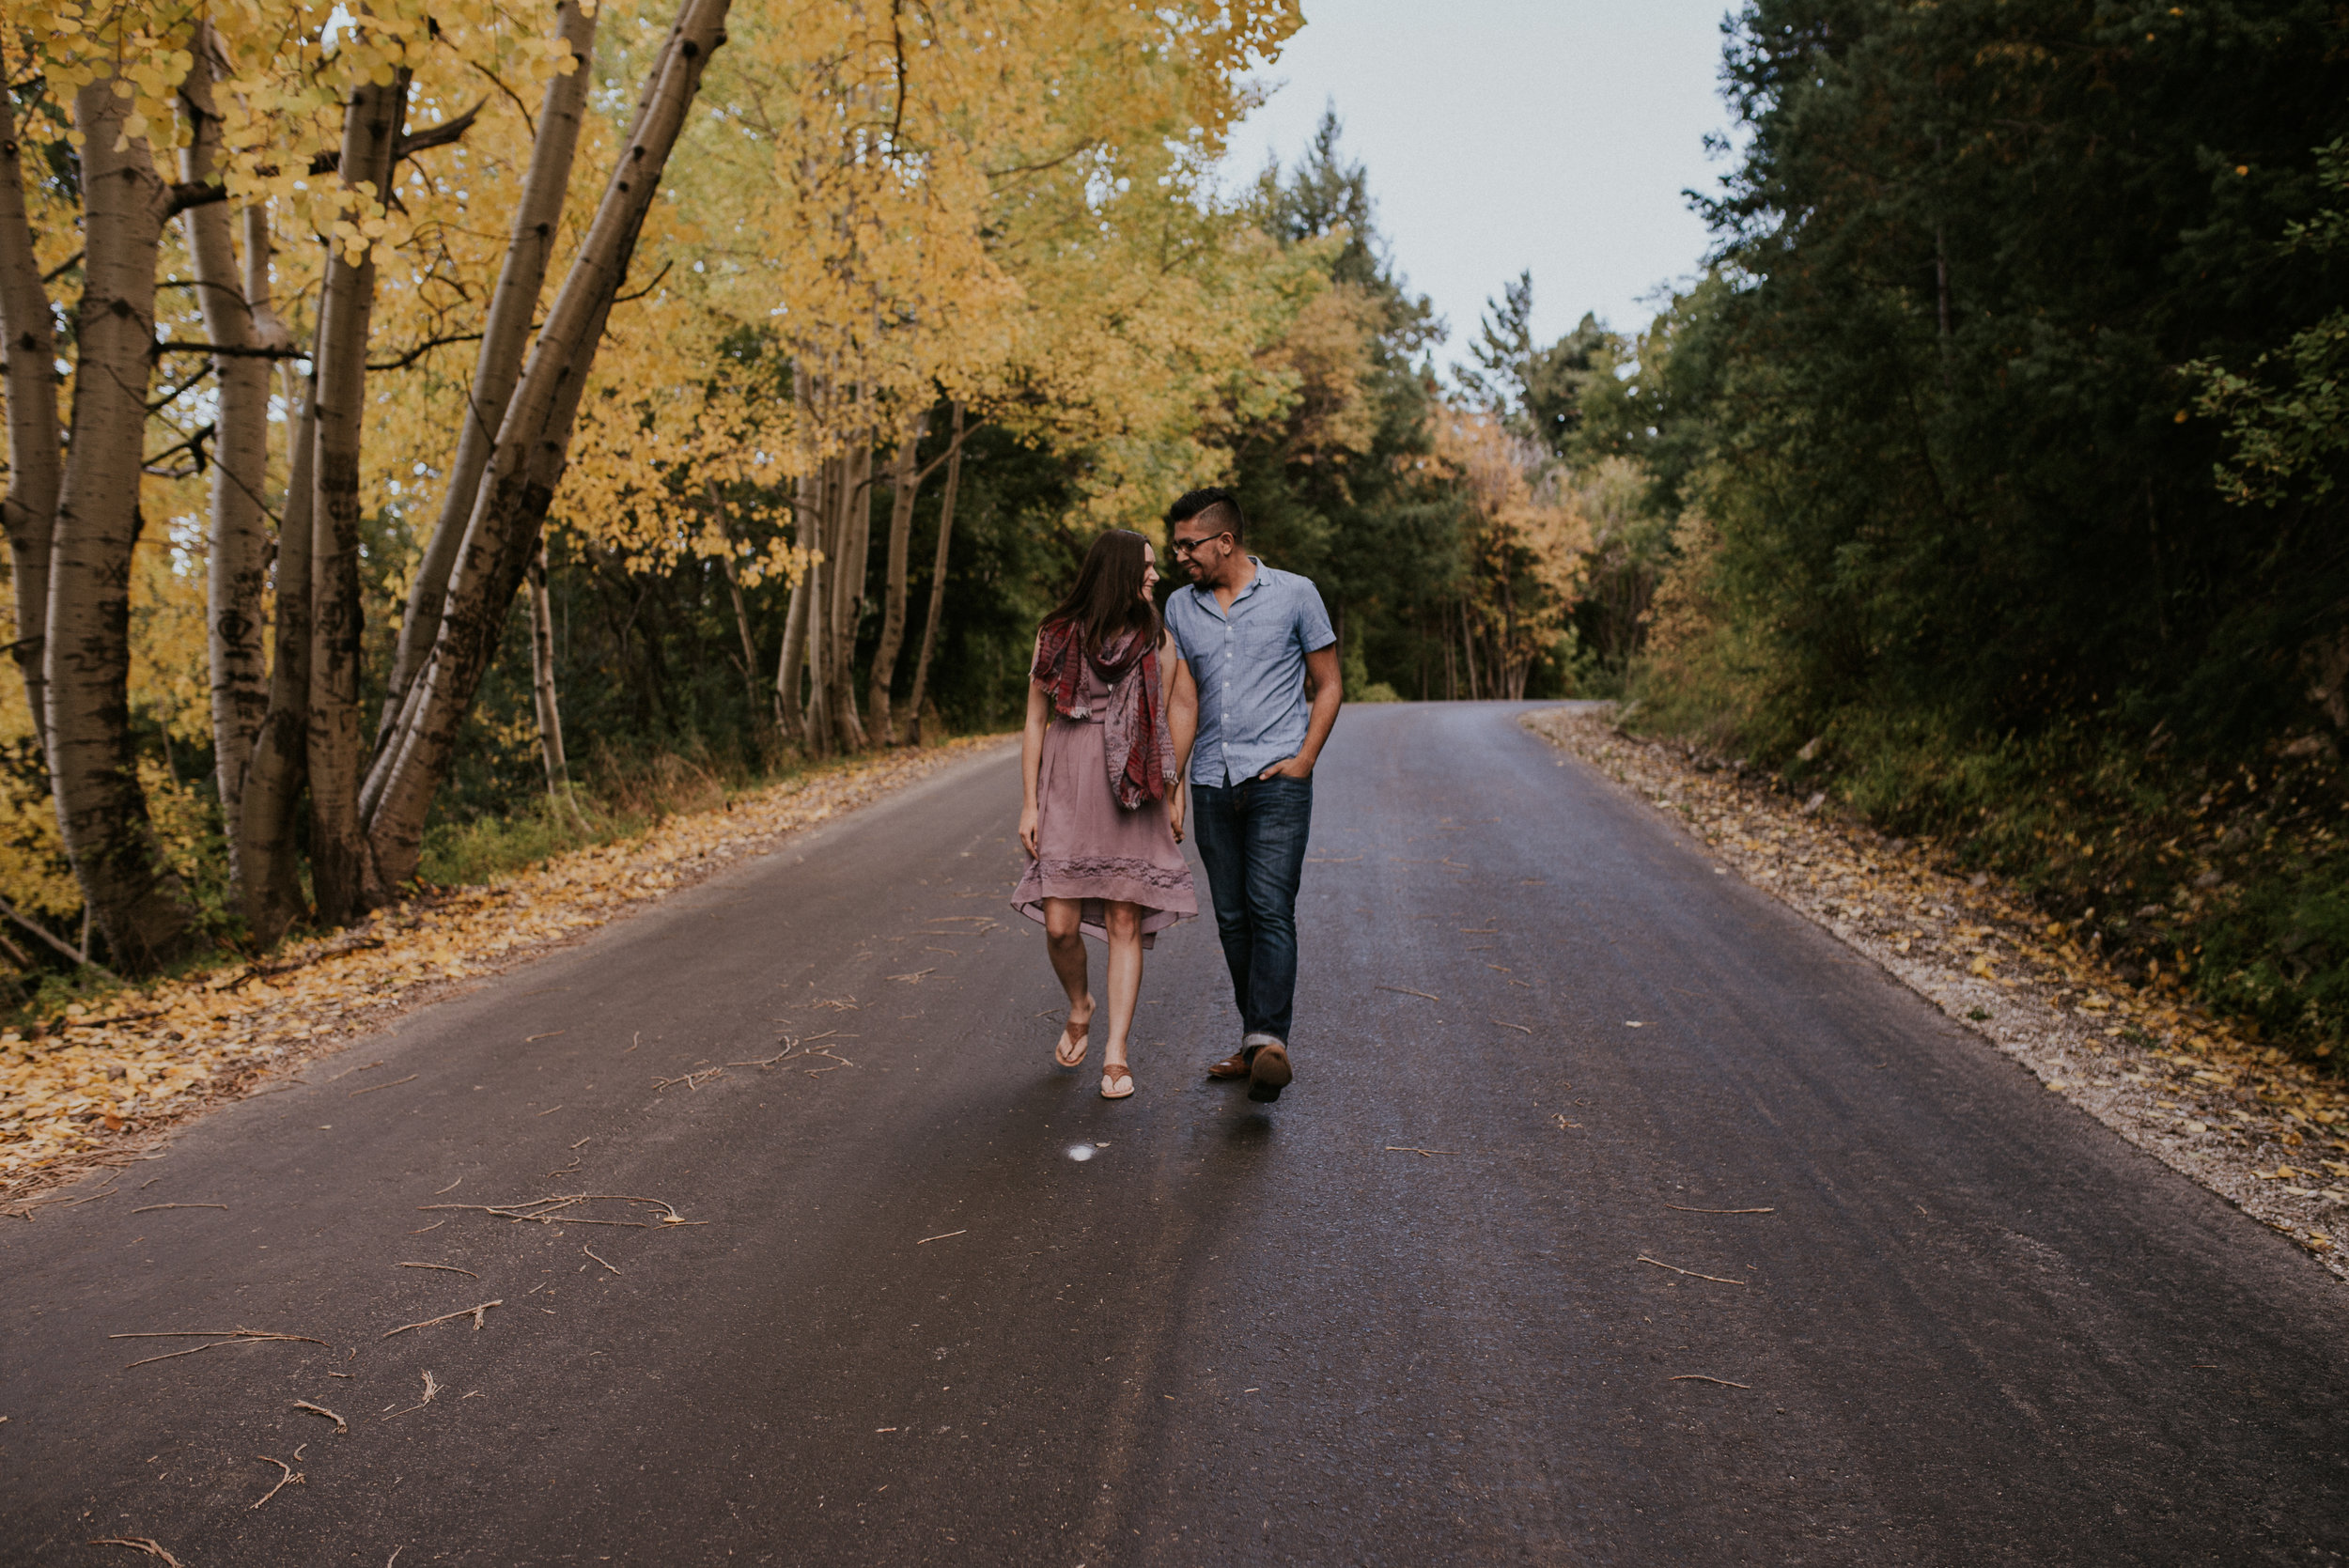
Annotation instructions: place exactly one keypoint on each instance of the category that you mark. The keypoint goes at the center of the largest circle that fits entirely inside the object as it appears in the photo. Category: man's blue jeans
(1251, 837)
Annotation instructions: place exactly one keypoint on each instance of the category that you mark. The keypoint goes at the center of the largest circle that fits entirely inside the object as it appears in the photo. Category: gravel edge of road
(2166, 1076)
(302, 1036)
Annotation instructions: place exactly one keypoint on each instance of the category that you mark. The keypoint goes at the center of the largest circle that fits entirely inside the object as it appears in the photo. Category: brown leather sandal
(1072, 1038)
(1116, 1082)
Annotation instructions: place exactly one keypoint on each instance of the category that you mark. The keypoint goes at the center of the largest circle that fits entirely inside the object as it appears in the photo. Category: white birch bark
(533, 448)
(131, 892)
(506, 333)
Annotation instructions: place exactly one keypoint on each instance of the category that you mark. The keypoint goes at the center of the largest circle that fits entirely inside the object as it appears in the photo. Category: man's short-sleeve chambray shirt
(1249, 665)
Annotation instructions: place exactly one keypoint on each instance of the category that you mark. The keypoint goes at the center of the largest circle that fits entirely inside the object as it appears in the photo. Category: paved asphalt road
(1972, 1327)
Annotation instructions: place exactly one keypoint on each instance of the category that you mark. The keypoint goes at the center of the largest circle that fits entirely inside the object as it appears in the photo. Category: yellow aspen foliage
(1529, 542)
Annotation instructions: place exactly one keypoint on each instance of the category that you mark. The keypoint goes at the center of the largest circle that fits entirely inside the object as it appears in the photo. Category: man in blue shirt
(1257, 645)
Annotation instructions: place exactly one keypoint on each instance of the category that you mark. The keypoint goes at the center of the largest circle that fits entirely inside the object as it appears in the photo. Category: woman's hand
(1028, 816)
(1176, 800)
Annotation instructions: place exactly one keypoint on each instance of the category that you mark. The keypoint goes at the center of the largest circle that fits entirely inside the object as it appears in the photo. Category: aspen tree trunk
(533, 448)
(542, 678)
(816, 718)
(270, 893)
(807, 534)
(131, 894)
(792, 661)
(789, 662)
(342, 870)
(905, 479)
(734, 591)
(506, 333)
(855, 534)
(237, 564)
(938, 582)
(35, 454)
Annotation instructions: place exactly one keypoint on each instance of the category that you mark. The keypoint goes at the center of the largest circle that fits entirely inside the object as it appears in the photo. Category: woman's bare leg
(1066, 946)
(1124, 923)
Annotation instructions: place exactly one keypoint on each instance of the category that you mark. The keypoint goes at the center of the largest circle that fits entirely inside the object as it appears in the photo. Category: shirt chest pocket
(1259, 641)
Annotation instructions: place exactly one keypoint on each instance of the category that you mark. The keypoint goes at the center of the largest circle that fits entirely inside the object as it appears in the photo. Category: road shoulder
(107, 1090)
(2264, 1132)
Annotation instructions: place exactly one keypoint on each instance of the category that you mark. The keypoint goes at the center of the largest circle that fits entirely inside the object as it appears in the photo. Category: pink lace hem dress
(1091, 848)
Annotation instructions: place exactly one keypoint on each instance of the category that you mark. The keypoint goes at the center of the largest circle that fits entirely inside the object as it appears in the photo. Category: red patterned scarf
(1139, 746)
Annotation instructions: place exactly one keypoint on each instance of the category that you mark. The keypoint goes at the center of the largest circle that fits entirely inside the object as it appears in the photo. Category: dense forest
(1999, 462)
(1986, 481)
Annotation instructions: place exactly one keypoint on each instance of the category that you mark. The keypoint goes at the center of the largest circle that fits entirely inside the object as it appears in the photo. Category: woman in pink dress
(1101, 810)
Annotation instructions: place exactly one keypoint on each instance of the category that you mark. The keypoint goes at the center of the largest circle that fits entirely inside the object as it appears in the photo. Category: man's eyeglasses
(1185, 547)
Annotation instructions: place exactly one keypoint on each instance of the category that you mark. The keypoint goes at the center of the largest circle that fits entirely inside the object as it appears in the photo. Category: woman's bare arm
(1031, 761)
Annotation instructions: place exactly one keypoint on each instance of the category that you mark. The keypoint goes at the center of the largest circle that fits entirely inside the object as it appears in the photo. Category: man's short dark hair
(1216, 508)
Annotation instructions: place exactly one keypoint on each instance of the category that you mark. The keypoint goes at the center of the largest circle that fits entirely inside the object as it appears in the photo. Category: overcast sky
(1506, 134)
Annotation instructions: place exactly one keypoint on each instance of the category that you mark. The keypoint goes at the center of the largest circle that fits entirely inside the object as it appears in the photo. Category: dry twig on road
(1700, 1378)
(218, 1336)
(1409, 992)
(145, 1544)
(555, 1210)
(476, 1314)
(393, 1084)
(342, 1427)
(289, 1479)
(152, 1207)
(431, 1384)
(446, 1267)
(1685, 1209)
(1689, 1272)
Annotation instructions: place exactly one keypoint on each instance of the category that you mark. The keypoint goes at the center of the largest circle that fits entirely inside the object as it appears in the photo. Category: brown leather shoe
(1234, 1065)
(1269, 1074)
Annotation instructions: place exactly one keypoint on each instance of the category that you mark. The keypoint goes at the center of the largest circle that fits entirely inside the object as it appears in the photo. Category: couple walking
(1221, 707)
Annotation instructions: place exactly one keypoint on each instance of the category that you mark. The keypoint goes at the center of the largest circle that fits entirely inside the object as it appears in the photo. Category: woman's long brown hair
(1107, 598)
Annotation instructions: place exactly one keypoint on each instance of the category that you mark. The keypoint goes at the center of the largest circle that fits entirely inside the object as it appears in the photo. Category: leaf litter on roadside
(154, 1055)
